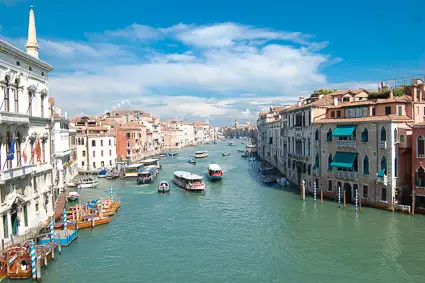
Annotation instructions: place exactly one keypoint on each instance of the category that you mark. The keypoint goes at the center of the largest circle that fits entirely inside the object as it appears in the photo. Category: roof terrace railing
(401, 81)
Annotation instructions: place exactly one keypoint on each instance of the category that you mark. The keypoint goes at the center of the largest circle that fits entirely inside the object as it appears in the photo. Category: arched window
(401, 138)
(329, 135)
(395, 136)
(365, 135)
(6, 94)
(366, 165)
(420, 146)
(384, 165)
(127, 135)
(420, 177)
(8, 143)
(316, 161)
(330, 161)
(396, 167)
(383, 134)
(16, 96)
(316, 135)
(18, 149)
(82, 141)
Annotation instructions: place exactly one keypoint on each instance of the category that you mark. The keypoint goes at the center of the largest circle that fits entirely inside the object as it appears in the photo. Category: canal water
(238, 230)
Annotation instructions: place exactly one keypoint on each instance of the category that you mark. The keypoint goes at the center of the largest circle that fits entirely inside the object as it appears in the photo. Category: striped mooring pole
(52, 230)
(33, 263)
(314, 190)
(65, 222)
(339, 197)
(357, 200)
(110, 192)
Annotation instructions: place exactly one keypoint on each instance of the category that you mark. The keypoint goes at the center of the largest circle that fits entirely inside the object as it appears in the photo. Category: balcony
(9, 174)
(11, 117)
(346, 175)
(350, 144)
(383, 144)
(382, 180)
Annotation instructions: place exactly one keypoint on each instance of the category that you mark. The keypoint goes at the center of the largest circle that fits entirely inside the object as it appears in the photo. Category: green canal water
(238, 230)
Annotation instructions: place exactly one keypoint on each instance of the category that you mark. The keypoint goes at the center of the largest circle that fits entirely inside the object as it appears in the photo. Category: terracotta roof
(419, 124)
(352, 91)
(394, 118)
(399, 99)
(325, 101)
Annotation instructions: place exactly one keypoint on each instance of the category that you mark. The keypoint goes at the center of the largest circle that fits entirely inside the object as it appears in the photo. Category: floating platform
(66, 237)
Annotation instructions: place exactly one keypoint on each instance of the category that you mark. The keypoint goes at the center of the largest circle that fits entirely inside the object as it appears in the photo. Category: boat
(162, 156)
(147, 175)
(226, 154)
(283, 181)
(131, 171)
(189, 181)
(151, 162)
(113, 174)
(268, 180)
(250, 146)
(214, 142)
(231, 143)
(102, 173)
(174, 153)
(163, 187)
(214, 172)
(88, 183)
(240, 150)
(192, 161)
(201, 154)
(72, 196)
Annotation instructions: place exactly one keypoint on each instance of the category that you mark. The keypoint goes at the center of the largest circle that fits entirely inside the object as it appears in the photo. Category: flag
(11, 154)
(38, 151)
(24, 156)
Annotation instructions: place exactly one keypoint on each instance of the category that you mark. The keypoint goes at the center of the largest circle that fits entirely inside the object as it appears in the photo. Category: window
(18, 63)
(102, 164)
(6, 97)
(365, 191)
(399, 110)
(345, 99)
(338, 113)
(30, 68)
(101, 153)
(395, 136)
(329, 135)
(43, 151)
(101, 142)
(420, 177)
(373, 111)
(94, 153)
(332, 114)
(270, 140)
(36, 206)
(82, 141)
(42, 105)
(401, 138)
(110, 152)
(387, 110)
(30, 96)
(420, 146)
(93, 143)
(42, 74)
(316, 135)
(395, 167)
(383, 134)
(16, 96)
(110, 142)
(329, 185)
(84, 153)
(365, 135)
(384, 194)
(330, 162)
(110, 162)
(384, 165)
(34, 180)
(82, 163)
(366, 165)
(18, 149)
(127, 135)
(94, 164)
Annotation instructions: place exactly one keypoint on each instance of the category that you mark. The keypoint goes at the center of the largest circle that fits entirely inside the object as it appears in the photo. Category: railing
(16, 172)
(343, 143)
(12, 117)
(383, 180)
(346, 175)
(383, 144)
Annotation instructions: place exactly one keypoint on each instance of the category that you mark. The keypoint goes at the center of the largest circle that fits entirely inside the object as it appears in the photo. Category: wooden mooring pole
(321, 196)
(345, 202)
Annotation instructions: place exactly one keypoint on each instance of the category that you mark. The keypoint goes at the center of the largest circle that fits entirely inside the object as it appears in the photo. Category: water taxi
(189, 181)
(214, 172)
(201, 154)
(72, 196)
(192, 161)
(174, 153)
(88, 183)
(131, 171)
(226, 154)
(147, 175)
(164, 187)
(231, 143)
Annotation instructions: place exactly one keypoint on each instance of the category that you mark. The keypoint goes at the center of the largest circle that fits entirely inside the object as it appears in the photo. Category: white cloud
(135, 31)
(12, 2)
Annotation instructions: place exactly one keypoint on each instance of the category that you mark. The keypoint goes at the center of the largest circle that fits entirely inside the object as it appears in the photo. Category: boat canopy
(201, 151)
(187, 175)
(214, 167)
(150, 160)
(136, 165)
(148, 170)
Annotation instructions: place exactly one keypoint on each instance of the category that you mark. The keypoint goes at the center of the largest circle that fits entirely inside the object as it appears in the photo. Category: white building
(26, 179)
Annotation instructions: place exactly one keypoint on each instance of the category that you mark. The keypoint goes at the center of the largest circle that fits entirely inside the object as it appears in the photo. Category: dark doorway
(299, 181)
(14, 220)
(348, 192)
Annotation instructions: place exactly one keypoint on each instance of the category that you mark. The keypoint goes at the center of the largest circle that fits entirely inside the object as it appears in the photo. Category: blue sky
(215, 60)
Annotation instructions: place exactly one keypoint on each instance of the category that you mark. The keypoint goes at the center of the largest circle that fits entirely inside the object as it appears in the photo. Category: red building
(130, 139)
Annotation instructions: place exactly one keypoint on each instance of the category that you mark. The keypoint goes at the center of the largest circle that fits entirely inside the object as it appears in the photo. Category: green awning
(344, 131)
(344, 159)
(381, 173)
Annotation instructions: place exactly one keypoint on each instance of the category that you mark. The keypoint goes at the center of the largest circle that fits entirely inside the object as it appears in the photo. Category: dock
(62, 237)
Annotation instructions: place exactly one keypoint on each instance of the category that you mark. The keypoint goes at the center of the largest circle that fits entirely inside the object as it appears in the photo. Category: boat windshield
(145, 174)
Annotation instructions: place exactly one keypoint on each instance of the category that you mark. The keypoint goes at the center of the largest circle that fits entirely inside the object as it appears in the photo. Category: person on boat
(24, 265)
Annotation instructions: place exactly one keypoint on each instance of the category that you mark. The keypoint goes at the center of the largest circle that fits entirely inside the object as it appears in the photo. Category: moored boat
(214, 172)
(173, 153)
(102, 173)
(88, 183)
(201, 154)
(163, 187)
(240, 150)
(147, 175)
(226, 154)
(72, 196)
(231, 143)
(192, 161)
(131, 171)
(113, 174)
(189, 181)
(162, 156)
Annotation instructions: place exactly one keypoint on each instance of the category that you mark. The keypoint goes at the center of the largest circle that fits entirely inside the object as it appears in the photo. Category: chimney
(32, 45)
(415, 93)
(391, 93)
(335, 101)
(321, 96)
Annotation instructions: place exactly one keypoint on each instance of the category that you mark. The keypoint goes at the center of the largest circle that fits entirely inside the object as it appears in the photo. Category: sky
(215, 60)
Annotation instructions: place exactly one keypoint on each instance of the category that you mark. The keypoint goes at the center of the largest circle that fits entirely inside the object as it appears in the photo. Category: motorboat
(201, 154)
(226, 154)
(268, 180)
(72, 196)
(113, 174)
(189, 181)
(88, 183)
(283, 181)
(192, 161)
(214, 172)
(240, 150)
(174, 153)
(163, 187)
(162, 156)
(231, 143)
(102, 173)
(147, 175)
(131, 171)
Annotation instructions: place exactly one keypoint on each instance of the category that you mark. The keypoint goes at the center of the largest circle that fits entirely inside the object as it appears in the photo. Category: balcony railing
(11, 117)
(346, 175)
(383, 144)
(342, 143)
(383, 180)
(9, 174)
